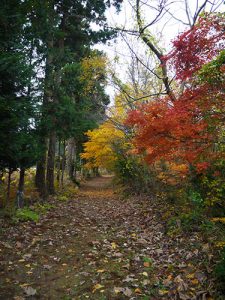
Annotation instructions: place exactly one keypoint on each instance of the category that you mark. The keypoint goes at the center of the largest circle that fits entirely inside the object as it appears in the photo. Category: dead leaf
(6, 245)
(127, 292)
(147, 264)
(118, 290)
(191, 276)
(114, 245)
(181, 285)
(24, 285)
(47, 267)
(19, 245)
(137, 291)
(195, 281)
(163, 292)
(97, 287)
(146, 282)
(28, 265)
(29, 291)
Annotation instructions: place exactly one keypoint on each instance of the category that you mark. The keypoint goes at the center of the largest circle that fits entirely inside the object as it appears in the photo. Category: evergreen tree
(18, 147)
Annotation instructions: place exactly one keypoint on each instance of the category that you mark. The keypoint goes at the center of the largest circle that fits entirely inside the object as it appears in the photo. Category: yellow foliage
(98, 150)
(171, 173)
(221, 220)
(94, 68)
(220, 244)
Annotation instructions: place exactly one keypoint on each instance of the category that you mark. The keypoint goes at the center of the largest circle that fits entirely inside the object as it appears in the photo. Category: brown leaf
(29, 291)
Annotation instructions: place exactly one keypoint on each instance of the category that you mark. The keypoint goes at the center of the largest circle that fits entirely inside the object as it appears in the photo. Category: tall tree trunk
(58, 162)
(8, 185)
(63, 162)
(20, 191)
(55, 100)
(41, 164)
(51, 164)
(40, 174)
(70, 157)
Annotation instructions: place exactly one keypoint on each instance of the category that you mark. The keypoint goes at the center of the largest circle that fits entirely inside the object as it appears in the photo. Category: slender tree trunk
(20, 191)
(75, 168)
(58, 162)
(47, 98)
(96, 172)
(40, 173)
(70, 157)
(8, 185)
(55, 100)
(51, 164)
(63, 162)
(1, 177)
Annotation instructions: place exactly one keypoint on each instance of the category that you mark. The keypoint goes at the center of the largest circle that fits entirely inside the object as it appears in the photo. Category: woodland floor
(102, 246)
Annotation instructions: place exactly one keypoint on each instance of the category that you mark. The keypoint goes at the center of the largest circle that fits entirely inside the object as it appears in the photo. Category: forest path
(98, 246)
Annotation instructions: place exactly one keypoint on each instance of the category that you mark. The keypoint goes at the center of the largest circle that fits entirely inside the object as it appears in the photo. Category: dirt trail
(98, 246)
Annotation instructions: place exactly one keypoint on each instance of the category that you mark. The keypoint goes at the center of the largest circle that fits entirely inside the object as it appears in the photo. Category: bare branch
(155, 50)
(198, 11)
(150, 70)
(188, 13)
(177, 19)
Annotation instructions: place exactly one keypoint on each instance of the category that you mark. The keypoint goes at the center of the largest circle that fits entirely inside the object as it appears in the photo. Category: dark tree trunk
(63, 162)
(96, 172)
(58, 162)
(20, 191)
(9, 184)
(70, 157)
(1, 177)
(51, 164)
(40, 175)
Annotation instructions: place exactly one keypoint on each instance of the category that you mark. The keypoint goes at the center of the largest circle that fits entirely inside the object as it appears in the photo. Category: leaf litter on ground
(100, 246)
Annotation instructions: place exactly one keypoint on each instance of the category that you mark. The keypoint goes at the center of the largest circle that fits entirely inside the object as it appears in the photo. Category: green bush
(62, 198)
(134, 174)
(42, 208)
(195, 198)
(192, 221)
(220, 271)
(27, 214)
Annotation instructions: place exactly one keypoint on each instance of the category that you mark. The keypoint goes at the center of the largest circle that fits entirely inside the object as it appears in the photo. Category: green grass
(26, 214)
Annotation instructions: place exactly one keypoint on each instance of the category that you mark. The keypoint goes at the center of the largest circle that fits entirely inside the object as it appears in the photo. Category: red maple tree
(187, 129)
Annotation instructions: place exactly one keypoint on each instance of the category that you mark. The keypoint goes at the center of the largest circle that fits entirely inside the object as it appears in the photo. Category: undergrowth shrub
(27, 214)
(210, 186)
(220, 272)
(63, 198)
(187, 222)
(134, 175)
(68, 192)
(42, 208)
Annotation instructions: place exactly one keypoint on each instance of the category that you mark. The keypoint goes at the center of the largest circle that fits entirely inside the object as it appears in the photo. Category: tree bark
(9, 184)
(63, 162)
(40, 179)
(58, 162)
(51, 164)
(153, 47)
(20, 191)
(55, 100)
(40, 174)
(70, 157)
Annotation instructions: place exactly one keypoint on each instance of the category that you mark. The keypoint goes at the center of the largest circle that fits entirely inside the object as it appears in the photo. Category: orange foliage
(187, 129)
